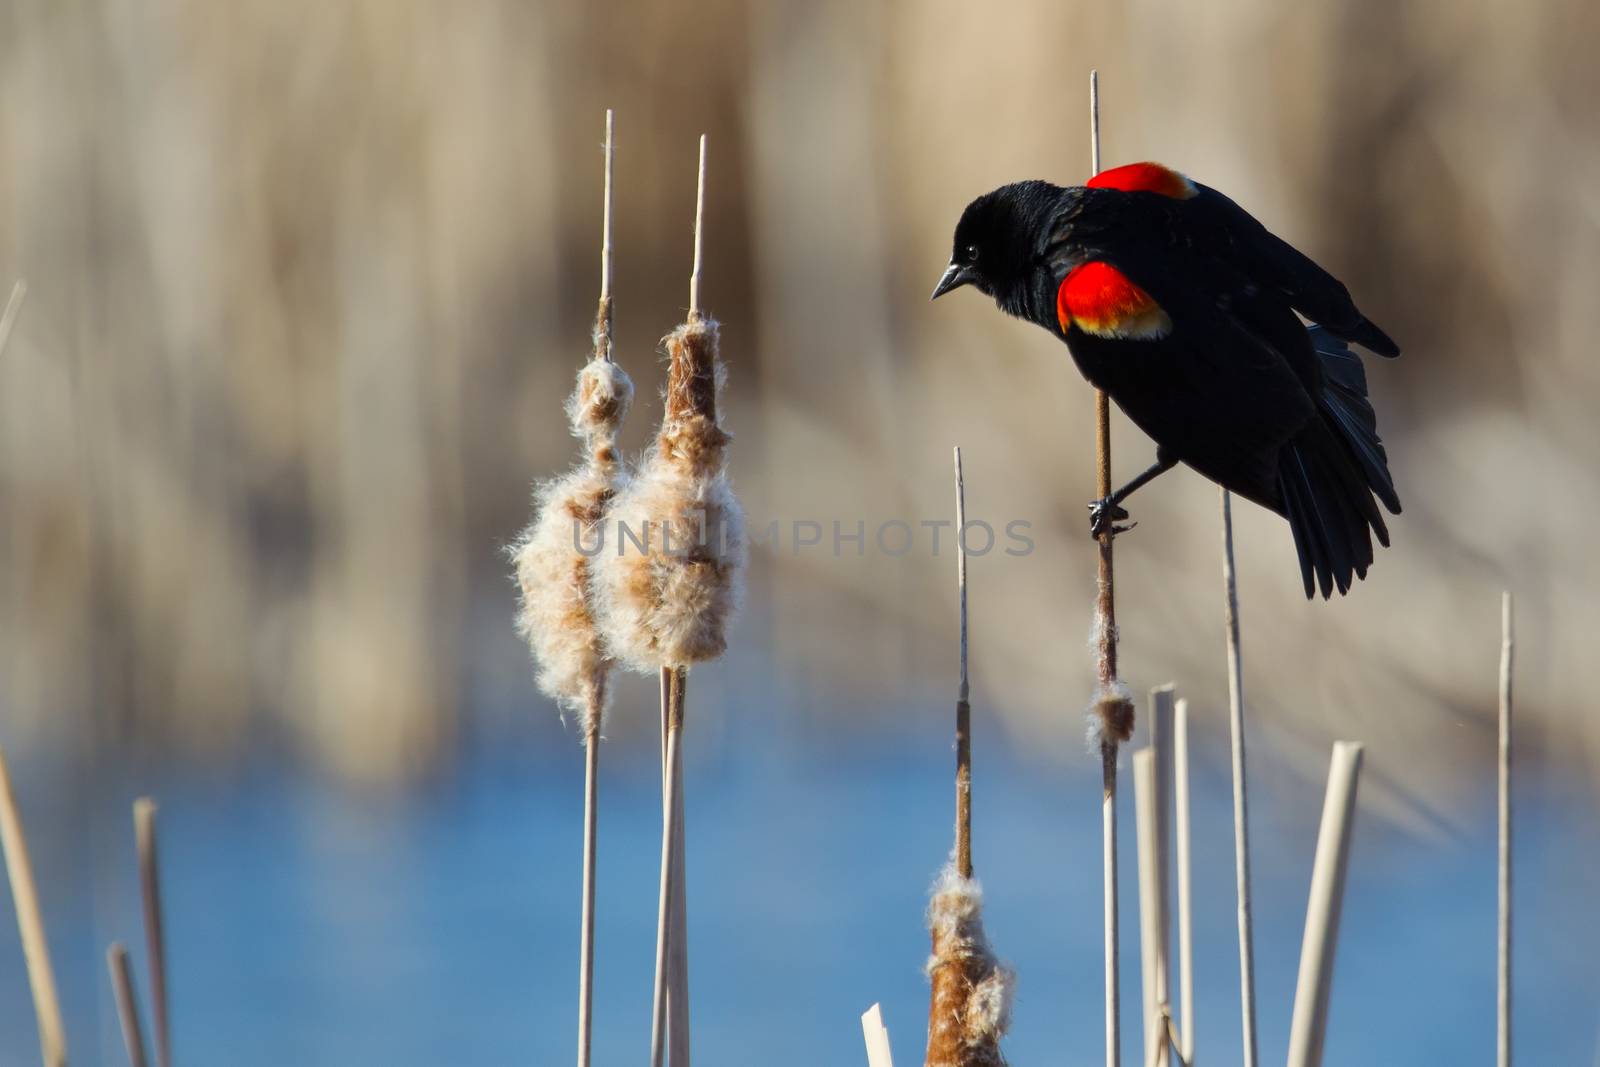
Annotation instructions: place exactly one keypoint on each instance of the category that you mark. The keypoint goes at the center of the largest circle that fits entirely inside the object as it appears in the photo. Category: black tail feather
(1324, 505)
(1344, 401)
(1329, 473)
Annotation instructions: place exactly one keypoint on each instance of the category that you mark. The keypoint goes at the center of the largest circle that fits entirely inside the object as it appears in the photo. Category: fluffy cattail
(1110, 716)
(669, 579)
(971, 1005)
(554, 556)
(1110, 712)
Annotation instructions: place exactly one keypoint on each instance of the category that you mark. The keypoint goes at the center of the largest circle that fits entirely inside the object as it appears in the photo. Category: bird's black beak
(955, 276)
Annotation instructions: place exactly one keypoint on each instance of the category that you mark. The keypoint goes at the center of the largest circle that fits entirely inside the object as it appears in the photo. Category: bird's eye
(971, 252)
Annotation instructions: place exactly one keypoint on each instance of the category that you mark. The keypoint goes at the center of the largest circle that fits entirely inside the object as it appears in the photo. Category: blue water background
(311, 924)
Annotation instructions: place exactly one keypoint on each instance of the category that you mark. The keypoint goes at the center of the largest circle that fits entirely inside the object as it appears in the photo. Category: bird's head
(998, 240)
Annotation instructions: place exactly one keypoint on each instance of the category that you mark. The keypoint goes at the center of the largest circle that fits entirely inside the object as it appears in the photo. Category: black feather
(1344, 400)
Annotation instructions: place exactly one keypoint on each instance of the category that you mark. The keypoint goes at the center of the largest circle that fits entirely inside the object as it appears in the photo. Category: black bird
(1181, 306)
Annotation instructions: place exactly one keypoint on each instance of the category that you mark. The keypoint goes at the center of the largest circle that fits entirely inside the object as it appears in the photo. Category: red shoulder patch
(1100, 300)
(1145, 178)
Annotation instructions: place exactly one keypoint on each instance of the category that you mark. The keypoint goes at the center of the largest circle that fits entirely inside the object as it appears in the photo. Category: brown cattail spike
(970, 1009)
(690, 436)
(670, 585)
(554, 556)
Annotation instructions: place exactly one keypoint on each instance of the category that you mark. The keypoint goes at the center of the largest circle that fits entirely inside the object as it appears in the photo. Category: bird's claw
(1103, 518)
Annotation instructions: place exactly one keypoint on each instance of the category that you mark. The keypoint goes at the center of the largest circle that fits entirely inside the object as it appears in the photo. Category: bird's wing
(1213, 367)
(1274, 263)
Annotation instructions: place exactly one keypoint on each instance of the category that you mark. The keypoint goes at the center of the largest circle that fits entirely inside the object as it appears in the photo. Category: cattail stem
(678, 940)
(672, 606)
(144, 831)
(1152, 892)
(963, 693)
(1180, 761)
(127, 1005)
(877, 1038)
(663, 919)
(663, 922)
(591, 739)
(1241, 807)
(699, 232)
(677, 947)
(1310, 1022)
(1156, 954)
(670, 1027)
(672, 833)
(591, 817)
(1503, 968)
(1106, 662)
(30, 926)
(602, 321)
(605, 212)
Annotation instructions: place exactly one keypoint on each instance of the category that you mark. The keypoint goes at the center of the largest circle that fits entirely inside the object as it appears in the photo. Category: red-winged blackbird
(1181, 306)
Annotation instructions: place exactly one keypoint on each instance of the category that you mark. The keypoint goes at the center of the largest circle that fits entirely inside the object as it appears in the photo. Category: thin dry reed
(1503, 938)
(127, 1004)
(1154, 834)
(155, 940)
(557, 614)
(969, 1006)
(876, 1036)
(1309, 1026)
(677, 991)
(30, 925)
(667, 590)
(1180, 764)
(963, 692)
(1111, 718)
(1241, 806)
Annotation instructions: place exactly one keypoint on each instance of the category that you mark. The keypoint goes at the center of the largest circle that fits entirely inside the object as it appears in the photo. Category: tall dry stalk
(670, 989)
(1180, 763)
(1112, 713)
(1241, 807)
(876, 1036)
(127, 1004)
(963, 692)
(30, 925)
(1152, 774)
(155, 940)
(677, 991)
(668, 591)
(1309, 1026)
(555, 574)
(1503, 962)
(969, 1006)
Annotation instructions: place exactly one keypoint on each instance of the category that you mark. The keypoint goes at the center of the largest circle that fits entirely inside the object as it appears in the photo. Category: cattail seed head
(553, 556)
(1110, 716)
(597, 407)
(670, 579)
(970, 1008)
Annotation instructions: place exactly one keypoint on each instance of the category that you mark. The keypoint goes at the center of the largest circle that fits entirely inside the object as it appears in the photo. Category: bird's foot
(1104, 515)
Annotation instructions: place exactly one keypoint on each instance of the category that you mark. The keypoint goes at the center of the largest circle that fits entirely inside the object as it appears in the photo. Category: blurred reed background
(307, 281)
